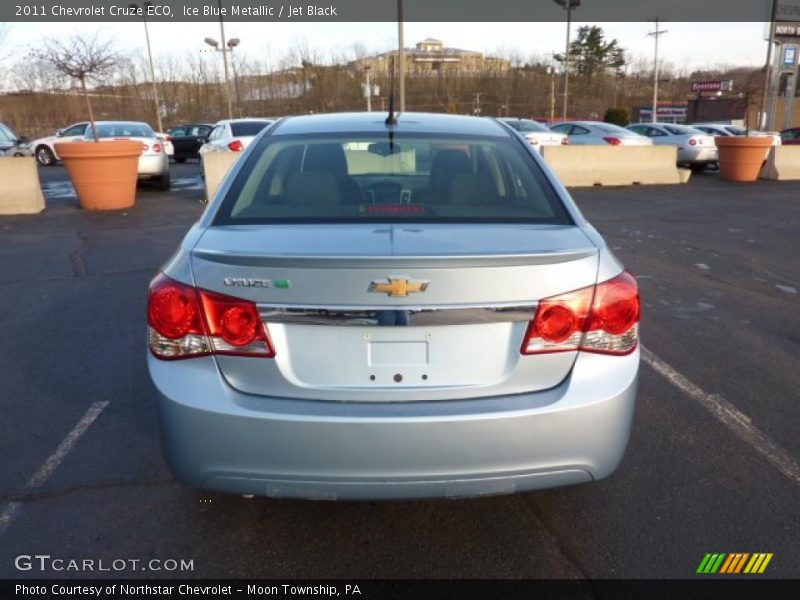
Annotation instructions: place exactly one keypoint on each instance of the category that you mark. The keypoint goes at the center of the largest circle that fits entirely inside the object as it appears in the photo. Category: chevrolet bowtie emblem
(398, 287)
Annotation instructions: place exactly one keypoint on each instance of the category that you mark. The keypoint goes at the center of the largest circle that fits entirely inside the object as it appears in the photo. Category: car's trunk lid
(395, 312)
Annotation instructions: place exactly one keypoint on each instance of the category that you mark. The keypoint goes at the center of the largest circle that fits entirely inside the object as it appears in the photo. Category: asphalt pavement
(720, 280)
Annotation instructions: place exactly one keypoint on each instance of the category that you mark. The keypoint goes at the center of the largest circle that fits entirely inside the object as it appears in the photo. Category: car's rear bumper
(153, 165)
(217, 438)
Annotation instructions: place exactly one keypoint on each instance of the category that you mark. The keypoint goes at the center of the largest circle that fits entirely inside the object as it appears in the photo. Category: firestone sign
(712, 86)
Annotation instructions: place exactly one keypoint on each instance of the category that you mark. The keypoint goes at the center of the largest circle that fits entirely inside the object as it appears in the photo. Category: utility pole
(552, 69)
(367, 88)
(763, 118)
(145, 7)
(401, 55)
(476, 109)
(656, 34)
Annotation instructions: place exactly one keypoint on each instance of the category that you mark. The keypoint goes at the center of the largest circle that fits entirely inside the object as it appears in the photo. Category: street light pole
(568, 5)
(232, 43)
(146, 5)
(656, 34)
(225, 61)
(401, 55)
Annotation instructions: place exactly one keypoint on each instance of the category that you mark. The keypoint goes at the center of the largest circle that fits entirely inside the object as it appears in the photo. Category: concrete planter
(20, 192)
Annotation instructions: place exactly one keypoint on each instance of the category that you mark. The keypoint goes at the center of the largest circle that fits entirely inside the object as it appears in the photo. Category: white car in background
(153, 162)
(44, 148)
(165, 138)
(727, 130)
(538, 135)
(696, 149)
(234, 135)
(599, 133)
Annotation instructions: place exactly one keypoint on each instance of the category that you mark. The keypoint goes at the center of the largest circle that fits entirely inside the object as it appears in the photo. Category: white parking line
(11, 509)
(730, 416)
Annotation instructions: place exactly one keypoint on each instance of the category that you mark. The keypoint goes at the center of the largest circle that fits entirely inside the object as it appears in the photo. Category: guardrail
(783, 164)
(215, 166)
(20, 192)
(578, 166)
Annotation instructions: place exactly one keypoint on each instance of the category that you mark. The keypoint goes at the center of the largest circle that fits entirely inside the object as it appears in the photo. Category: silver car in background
(696, 148)
(583, 133)
(153, 162)
(373, 310)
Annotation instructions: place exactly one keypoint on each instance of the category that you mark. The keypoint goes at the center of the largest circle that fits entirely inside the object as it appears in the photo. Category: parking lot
(712, 465)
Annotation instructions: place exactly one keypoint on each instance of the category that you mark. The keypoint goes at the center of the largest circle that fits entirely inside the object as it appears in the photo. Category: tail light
(603, 318)
(692, 142)
(236, 146)
(157, 148)
(186, 322)
(614, 141)
(565, 141)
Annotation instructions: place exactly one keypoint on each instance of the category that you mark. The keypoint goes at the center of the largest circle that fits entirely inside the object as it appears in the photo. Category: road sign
(789, 56)
(712, 86)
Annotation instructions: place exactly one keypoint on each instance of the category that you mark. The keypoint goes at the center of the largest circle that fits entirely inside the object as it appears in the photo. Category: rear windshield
(610, 128)
(240, 128)
(526, 125)
(110, 130)
(682, 130)
(377, 178)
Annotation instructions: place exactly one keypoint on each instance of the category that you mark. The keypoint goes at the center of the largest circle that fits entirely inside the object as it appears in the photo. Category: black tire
(697, 168)
(164, 183)
(180, 159)
(45, 156)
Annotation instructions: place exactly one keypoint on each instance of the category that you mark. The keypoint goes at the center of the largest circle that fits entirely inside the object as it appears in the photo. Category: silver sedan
(584, 133)
(696, 148)
(373, 310)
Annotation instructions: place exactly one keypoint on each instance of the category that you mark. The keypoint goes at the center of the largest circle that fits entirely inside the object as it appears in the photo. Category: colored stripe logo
(734, 563)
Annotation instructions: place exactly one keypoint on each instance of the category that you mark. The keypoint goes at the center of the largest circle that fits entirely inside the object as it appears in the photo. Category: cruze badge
(398, 287)
(257, 283)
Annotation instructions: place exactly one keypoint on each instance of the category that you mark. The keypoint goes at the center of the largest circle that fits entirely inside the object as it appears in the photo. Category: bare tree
(82, 58)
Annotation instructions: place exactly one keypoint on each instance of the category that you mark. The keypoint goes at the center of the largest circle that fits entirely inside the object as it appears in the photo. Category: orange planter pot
(104, 173)
(740, 157)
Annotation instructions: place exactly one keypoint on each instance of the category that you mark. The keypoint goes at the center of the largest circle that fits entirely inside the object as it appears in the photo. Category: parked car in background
(153, 162)
(166, 140)
(597, 132)
(44, 148)
(791, 136)
(538, 135)
(12, 144)
(233, 135)
(187, 139)
(727, 130)
(696, 149)
(348, 322)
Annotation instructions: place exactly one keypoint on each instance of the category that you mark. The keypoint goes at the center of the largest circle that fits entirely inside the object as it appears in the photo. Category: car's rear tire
(164, 183)
(697, 168)
(180, 159)
(45, 156)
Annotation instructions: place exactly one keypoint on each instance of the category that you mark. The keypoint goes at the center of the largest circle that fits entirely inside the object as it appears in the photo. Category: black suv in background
(187, 139)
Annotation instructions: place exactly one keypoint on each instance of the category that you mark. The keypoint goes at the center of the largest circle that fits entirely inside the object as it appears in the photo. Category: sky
(688, 45)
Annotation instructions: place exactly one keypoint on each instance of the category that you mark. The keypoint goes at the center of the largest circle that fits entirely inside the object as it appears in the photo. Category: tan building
(430, 57)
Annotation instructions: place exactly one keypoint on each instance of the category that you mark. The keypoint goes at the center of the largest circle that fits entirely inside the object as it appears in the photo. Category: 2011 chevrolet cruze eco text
(371, 309)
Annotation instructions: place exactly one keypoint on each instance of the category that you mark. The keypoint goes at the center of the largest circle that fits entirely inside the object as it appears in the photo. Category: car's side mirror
(59, 133)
